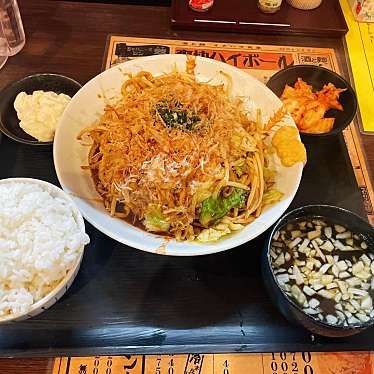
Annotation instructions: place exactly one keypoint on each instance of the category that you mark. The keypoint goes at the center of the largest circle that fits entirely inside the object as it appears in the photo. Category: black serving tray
(244, 16)
(127, 301)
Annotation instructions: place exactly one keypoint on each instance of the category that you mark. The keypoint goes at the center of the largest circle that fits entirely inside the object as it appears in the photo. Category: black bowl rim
(334, 131)
(5, 130)
(361, 326)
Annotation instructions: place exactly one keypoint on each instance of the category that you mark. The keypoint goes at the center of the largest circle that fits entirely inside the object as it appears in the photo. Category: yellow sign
(360, 43)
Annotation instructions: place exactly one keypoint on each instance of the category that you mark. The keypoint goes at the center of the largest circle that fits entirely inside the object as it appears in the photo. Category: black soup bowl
(285, 304)
(317, 77)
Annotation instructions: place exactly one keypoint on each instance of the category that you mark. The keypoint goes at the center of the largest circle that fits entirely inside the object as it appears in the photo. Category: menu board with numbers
(261, 61)
(237, 363)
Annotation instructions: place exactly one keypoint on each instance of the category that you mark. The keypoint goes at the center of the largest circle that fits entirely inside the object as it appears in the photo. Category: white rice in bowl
(40, 241)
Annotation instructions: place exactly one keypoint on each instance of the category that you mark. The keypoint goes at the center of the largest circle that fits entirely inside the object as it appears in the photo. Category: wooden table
(69, 38)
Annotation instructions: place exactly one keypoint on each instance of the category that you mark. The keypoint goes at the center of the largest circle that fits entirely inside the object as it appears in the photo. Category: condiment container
(200, 5)
(305, 4)
(269, 6)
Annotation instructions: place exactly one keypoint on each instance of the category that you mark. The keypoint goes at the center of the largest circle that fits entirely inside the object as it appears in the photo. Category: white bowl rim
(72, 270)
(199, 248)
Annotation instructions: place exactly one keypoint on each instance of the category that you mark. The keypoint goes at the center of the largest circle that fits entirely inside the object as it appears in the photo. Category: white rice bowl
(42, 237)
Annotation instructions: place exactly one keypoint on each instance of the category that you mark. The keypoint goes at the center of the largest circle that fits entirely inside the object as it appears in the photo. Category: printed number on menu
(291, 363)
(171, 366)
(96, 365)
(109, 363)
(226, 367)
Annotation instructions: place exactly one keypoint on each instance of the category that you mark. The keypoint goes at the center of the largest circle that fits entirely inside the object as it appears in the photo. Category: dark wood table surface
(69, 38)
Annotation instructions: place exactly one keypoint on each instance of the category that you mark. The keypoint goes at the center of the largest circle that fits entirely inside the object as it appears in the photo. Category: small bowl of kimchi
(321, 102)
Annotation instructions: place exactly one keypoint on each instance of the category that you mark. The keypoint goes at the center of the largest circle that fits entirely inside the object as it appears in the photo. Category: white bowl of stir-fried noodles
(173, 155)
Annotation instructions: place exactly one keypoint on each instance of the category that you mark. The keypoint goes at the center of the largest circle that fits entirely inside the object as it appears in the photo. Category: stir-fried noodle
(181, 157)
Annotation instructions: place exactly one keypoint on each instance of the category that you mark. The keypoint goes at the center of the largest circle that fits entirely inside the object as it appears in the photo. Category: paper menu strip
(360, 44)
(237, 363)
(262, 61)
